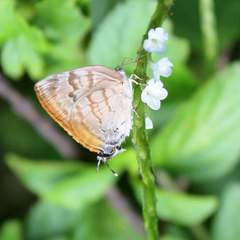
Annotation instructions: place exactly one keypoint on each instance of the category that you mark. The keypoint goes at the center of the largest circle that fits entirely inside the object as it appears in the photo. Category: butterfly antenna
(132, 60)
(114, 173)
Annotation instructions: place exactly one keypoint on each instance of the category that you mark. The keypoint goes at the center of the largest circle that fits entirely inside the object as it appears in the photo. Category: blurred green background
(48, 185)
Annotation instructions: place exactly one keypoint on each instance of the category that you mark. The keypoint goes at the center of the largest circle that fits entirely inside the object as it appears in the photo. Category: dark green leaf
(228, 21)
(99, 10)
(47, 221)
(102, 222)
(186, 18)
(61, 19)
(69, 184)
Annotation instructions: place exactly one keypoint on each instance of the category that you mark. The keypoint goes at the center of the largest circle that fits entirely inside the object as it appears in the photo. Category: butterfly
(93, 104)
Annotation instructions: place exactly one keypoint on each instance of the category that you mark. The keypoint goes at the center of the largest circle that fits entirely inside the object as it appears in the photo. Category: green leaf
(171, 238)
(184, 209)
(120, 34)
(24, 53)
(10, 57)
(61, 19)
(102, 221)
(228, 19)
(63, 56)
(11, 230)
(95, 221)
(72, 185)
(24, 141)
(41, 176)
(226, 223)
(181, 208)
(10, 23)
(201, 142)
(47, 221)
(99, 10)
(187, 25)
(80, 190)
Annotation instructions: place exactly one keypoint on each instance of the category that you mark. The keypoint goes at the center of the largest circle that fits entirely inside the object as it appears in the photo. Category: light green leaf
(11, 230)
(63, 56)
(24, 53)
(12, 57)
(61, 19)
(201, 142)
(184, 209)
(180, 208)
(227, 221)
(10, 23)
(80, 190)
(120, 34)
(41, 176)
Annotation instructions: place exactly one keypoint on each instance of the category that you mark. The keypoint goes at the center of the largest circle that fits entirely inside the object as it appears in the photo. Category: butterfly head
(108, 153)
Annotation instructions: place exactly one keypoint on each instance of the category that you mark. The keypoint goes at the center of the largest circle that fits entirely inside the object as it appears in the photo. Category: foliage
(194, 146)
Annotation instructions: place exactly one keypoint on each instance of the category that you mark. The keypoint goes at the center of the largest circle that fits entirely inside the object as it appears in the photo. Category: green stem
(208, 26)
(140, 138)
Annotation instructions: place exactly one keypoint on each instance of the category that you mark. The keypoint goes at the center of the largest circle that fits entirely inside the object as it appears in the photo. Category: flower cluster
(154, 91)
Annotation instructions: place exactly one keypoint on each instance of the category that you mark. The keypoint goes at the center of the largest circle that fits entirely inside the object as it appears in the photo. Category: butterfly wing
(90, 104)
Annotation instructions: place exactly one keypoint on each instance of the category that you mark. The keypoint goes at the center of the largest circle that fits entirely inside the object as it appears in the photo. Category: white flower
(148, 123)
(162, 68)
(153, 93)
(156, 38)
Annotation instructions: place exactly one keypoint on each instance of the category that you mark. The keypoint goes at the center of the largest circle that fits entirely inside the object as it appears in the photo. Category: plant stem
(140, 137)
(208, 26)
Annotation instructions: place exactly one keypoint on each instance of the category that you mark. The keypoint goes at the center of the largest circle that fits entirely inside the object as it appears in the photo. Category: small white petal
(153, 93)
(147, 45)
(154, 103)
(160, 32)
(144, 95)
(148, 123)
(156, 38)
(162, 68)
(151, 34)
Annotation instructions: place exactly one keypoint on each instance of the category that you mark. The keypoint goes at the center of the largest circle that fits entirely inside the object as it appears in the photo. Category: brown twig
(120, 203)
(24, 108)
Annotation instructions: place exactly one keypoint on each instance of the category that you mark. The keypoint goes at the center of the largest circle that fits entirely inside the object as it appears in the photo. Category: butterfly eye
(109, 151)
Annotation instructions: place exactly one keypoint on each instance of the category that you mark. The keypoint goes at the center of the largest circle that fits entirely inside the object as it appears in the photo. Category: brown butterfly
(93, 104)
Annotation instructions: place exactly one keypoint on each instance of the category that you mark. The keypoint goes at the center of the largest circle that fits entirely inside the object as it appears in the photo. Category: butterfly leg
(134, 110)
(132, 80)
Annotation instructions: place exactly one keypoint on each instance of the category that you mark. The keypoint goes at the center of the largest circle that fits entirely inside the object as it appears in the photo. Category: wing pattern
(93, 104)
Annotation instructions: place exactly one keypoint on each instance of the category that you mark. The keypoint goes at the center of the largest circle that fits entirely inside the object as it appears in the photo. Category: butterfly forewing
(93, 104)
